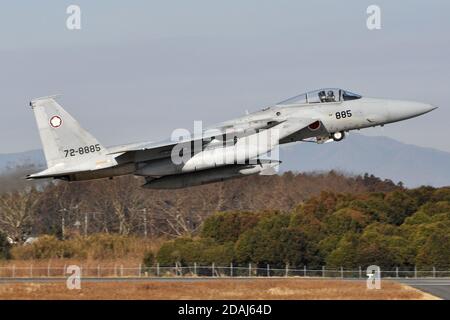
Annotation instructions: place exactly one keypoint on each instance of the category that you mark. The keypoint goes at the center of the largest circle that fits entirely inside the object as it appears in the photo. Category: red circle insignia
(56, 122)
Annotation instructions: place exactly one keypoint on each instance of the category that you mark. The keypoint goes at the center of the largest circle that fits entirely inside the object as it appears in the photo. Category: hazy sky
(138, 69)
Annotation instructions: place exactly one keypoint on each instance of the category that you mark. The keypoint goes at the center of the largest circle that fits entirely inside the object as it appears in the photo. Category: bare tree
(17, 213)
(120, 201)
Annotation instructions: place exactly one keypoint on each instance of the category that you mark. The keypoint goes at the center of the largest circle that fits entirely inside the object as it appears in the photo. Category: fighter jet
(231, 149)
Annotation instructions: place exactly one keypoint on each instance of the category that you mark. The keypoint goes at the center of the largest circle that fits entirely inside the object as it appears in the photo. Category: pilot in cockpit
(322, 96)
(330, 96)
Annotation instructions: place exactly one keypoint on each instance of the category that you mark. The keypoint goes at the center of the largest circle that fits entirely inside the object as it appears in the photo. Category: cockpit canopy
(322, 96)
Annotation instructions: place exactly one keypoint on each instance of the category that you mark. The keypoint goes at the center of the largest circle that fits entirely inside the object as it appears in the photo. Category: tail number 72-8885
(82, 150)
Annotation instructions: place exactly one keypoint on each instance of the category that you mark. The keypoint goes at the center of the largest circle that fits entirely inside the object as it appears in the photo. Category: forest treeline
(121, 206)
(313, 219)
(401, 228)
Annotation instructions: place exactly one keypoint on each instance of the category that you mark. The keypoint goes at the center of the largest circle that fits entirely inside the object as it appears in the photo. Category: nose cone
(422, 108)
(401, 110)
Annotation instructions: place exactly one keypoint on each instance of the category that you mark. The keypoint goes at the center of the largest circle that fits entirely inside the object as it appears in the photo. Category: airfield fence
(198, 270)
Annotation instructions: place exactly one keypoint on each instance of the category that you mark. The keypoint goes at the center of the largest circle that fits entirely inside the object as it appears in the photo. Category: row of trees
(121, 206)
(401, 228)
(358, 221)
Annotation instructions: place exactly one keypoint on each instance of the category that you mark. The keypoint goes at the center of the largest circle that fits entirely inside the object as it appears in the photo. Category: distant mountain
(381, 156)
(11, 160)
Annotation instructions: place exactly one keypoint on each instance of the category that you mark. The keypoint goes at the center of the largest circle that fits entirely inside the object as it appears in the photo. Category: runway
(439, 287)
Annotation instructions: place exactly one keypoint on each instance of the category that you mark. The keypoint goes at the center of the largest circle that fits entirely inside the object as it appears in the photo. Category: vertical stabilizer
(66, 144)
